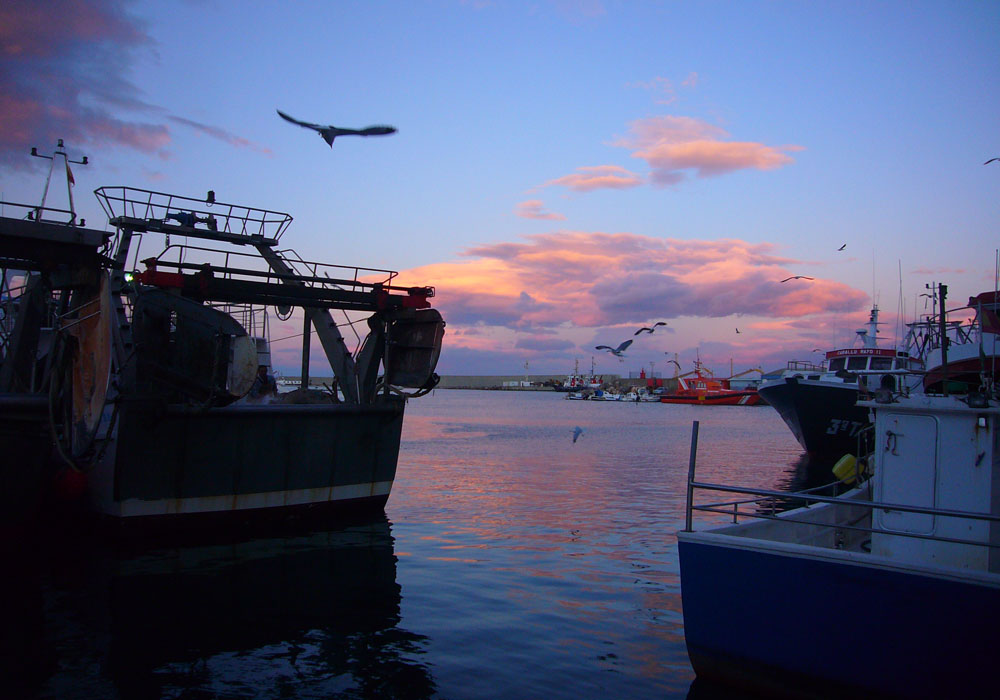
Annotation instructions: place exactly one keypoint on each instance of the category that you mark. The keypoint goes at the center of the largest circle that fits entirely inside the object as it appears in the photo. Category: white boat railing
(766, 502)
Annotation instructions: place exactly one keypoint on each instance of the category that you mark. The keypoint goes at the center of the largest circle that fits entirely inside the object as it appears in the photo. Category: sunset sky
(565, 171)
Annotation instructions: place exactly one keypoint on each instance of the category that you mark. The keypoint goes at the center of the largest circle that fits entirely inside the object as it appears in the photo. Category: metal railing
(158, 208)
(34, 212)
(765, 500)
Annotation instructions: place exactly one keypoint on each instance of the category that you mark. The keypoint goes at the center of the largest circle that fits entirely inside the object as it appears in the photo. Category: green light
(128, 276)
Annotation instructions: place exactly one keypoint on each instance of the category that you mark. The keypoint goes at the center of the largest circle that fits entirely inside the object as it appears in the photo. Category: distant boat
(699, 387)
(579, 382)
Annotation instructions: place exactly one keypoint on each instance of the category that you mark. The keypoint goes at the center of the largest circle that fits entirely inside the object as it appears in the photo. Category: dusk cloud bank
(65, 76)
(593, 279)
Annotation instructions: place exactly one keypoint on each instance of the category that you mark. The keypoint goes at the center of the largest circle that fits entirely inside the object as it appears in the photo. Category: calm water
(511, 562)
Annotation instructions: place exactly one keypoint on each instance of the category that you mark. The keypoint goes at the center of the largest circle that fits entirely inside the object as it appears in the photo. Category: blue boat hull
(794, 625)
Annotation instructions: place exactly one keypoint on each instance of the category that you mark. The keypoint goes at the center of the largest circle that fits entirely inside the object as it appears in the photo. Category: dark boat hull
(247, 460)
(823, 417)
(800, 626)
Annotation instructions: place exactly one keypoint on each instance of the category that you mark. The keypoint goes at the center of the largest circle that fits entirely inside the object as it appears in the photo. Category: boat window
(837, 364)
(856, 363)
(881, 363)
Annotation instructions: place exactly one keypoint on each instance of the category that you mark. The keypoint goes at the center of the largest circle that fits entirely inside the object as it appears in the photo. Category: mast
(943, 326)
(70, 181)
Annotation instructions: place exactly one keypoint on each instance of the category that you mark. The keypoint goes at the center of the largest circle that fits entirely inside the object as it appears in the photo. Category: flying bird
(617, 352)
(577, 432)
(796, 277)
(990, 161)
(842, 247)
(737, 330)
(329, 133)
(650, 330)
(676, 363)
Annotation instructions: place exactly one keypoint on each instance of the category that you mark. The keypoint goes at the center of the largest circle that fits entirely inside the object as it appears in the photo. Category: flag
(69, 175)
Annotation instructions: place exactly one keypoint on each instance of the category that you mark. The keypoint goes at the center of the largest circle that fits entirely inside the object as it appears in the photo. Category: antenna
(70, 180)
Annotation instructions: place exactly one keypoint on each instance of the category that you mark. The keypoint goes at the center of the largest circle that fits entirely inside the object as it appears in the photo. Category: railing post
(690, 487)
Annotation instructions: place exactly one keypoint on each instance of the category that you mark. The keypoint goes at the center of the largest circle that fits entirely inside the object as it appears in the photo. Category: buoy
(844, 469)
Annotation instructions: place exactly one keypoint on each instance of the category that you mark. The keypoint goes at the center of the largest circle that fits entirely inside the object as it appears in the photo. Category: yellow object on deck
(845, 469)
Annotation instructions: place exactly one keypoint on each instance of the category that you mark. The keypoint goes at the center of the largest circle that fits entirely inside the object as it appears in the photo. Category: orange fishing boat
(700, 387)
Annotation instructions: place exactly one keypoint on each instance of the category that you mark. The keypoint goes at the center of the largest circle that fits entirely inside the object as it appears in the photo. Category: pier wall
(537, 381)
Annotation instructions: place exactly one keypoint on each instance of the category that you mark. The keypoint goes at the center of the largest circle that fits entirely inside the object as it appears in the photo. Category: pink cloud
(66, 75)
(594, 279)
(550, 297)
(940, 271)
(532, 209)
(596, 177)
(671, 145)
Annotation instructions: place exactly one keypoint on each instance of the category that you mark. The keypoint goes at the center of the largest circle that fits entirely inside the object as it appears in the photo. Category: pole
(943, 330)
(690, 487)
(306, 338)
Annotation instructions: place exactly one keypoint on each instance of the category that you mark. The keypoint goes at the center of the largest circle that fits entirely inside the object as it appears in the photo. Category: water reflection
(807, 472)
(311, 614)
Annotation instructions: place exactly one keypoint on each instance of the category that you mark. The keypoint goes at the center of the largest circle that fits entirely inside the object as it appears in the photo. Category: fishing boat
(969, 359)
(141, 359)
(701, 388)
(577, 382)
(891, 589)
(819, 403)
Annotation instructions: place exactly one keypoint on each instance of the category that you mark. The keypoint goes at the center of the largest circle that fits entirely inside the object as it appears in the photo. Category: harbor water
(511, 562)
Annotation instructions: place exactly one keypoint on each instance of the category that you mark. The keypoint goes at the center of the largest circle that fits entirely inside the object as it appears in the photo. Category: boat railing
(234, 264)
(33, 212)
(766, 500)
(804, 366)
(205, 218)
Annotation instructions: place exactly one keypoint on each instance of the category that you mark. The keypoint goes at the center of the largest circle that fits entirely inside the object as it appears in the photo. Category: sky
(564, 171)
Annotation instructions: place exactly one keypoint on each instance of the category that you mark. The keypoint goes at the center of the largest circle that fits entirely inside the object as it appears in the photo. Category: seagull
(329, 133)
(676, 363)
(842, 247)
(617, 352)
(990, 161)
(737, 330)
(577, 432)
(650, 330)
(797, 277)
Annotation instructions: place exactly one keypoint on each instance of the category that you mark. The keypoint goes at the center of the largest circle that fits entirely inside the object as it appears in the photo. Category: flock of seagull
(619, 351)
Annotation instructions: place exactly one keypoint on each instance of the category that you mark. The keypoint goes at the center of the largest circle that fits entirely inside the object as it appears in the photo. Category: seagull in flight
(738, 330)
(329, 133)
(676, 363)
(842, 247)
(797, 277)
(650, 330)
(617, 352)
(577, 432)
(990, 161)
